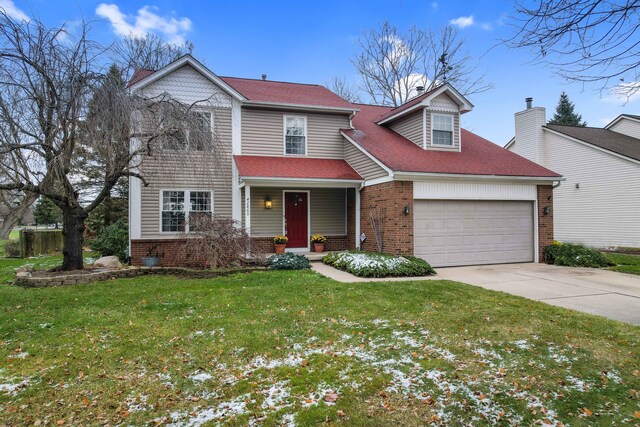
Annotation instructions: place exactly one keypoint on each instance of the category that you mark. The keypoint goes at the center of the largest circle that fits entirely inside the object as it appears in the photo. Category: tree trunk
(15, 214)
(73, 237)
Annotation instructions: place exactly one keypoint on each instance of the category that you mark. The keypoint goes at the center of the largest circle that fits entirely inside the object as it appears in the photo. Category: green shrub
(288, 261)
(12, 249)
(113, 240)
(571, 255)
(369, 264)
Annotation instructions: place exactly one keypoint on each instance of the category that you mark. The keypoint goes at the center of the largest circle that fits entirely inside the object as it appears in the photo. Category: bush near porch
(371, 264)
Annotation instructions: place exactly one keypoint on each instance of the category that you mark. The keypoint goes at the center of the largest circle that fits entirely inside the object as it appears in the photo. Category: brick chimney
(529, 124)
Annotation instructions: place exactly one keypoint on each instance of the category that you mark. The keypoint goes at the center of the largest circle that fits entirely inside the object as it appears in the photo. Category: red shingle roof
(286, 93)
(139, 75)
(478, 156)
(294, 167)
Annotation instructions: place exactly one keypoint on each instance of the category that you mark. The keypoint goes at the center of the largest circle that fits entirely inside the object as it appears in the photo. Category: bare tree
(63, 119)
(13, 207)
(392, 64)
(345, 90)
(376, 220)
(588, 41)
(150, 52)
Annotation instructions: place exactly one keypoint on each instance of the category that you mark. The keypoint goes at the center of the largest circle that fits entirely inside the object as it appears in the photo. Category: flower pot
(150, 261)
(318, 247)
(279, 248)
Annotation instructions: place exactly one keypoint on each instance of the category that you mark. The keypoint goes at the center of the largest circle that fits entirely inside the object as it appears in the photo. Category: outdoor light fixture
(268, 204)
(546, 210)
(405, 210)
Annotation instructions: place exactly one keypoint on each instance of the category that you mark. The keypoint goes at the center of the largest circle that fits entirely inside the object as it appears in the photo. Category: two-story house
(599, 203)
(305, 161)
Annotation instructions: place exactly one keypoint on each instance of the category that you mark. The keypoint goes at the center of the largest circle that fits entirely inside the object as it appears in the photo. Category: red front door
(295, 217)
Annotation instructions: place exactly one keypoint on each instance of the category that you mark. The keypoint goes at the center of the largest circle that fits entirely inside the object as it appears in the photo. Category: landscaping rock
(108, 262)
(23, 274)
(28, 268)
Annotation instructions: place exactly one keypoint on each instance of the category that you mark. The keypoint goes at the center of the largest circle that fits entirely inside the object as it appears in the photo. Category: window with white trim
(295, 135)
(175, 213)
(442, 130)
(195, 137)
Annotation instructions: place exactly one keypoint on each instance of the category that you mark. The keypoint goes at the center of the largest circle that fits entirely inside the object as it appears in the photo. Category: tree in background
(584, 40)
(150, 52)
(46, 212)
(345, 90)
(392, 64)
(565, 113)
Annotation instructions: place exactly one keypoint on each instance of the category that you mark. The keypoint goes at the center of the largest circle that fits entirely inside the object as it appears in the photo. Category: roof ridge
(275, 81)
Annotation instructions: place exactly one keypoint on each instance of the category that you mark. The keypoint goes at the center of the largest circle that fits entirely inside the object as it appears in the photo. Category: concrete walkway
(603, 292)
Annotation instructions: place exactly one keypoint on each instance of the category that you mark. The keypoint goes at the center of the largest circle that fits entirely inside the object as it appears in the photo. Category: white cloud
(147, 20)
(463, 21)
(12, 10)
(486, 26)
(434, 5)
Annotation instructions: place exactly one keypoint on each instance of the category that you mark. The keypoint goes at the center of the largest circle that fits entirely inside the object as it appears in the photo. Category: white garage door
(470, 232)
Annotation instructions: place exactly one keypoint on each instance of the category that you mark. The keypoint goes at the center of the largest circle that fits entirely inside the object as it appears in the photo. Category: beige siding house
(599, 203)
(298, 160)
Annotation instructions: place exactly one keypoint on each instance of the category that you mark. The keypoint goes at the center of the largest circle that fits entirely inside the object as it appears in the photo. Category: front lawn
(295, 348)
(624, 263)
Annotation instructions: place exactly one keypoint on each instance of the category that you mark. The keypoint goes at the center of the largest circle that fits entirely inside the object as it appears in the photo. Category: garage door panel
(466, 232)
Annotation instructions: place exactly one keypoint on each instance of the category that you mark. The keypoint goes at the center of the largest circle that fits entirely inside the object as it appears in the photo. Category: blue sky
(314, 41)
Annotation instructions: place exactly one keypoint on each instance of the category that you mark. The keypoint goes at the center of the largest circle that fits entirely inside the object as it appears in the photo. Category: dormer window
(442, 130)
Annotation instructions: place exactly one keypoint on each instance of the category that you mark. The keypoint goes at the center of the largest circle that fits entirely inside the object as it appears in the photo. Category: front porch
(300, 212)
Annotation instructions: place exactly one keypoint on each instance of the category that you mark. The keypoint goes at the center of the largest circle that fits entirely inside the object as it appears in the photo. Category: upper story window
(295, 135)
(197, 135)
(442, 129)
(176, 214)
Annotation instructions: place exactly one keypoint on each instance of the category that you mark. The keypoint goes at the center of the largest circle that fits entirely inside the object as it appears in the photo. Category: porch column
(357, 201)
(247, 209)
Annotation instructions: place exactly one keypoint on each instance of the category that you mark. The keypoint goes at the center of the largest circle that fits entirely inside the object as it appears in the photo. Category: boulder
(23, 274)
(108, 262)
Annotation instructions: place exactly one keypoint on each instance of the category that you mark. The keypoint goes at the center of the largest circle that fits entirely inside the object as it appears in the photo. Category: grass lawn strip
(269, 349)
(624, 263)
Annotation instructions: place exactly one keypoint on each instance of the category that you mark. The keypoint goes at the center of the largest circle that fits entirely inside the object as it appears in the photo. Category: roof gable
(146, 77)
(425, 100)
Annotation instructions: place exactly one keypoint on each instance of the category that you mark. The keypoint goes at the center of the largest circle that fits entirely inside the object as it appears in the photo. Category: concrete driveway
(606, 293)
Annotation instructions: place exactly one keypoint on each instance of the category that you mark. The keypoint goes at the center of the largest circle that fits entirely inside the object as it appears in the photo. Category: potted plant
(151, 260)
(318, 241)
(279, 243)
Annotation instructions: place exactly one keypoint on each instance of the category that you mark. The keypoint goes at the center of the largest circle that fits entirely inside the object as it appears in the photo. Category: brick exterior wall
(545, 221)
(389, 198)
(171, 253)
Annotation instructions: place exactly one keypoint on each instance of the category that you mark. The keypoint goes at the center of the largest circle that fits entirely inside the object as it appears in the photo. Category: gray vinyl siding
(361, 163)
(266, 222)
(176, 170)
(410, 127)
(327, 210)
(456, 133)
(263, 133)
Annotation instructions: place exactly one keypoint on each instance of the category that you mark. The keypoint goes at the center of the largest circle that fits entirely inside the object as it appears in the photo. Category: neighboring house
(306, 161)
(599, 203)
